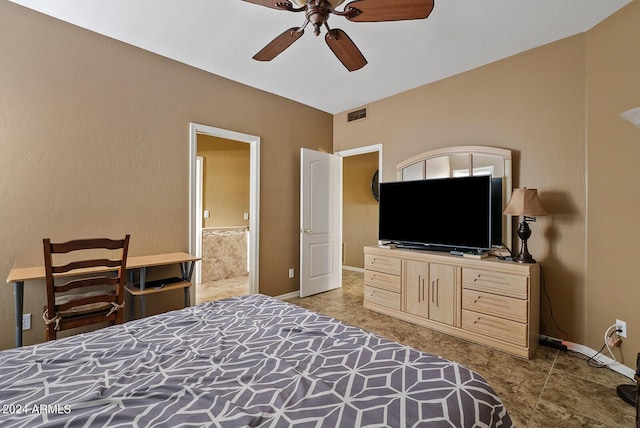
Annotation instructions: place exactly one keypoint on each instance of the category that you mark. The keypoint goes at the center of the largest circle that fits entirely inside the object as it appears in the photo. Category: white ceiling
(221, 36)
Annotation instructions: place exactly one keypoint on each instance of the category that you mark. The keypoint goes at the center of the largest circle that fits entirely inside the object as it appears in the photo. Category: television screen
(447, 213)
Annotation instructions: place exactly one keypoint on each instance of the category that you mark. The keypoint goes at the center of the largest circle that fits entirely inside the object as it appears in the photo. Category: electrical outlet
(621, 325)
(292, 273)
(26, 322)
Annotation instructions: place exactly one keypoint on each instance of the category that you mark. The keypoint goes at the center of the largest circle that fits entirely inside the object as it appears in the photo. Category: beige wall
(94, 141)
(226, 173)
(613, 150)
(534, 104)
(360, 209)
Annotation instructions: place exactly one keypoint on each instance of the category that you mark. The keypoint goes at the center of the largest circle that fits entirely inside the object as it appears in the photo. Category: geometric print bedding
(250, 361)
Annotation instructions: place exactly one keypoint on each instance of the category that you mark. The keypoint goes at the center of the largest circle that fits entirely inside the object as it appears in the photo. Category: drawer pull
(491, 278)
(489, 323)
(494, 302)
(488, 278)
(435, 292)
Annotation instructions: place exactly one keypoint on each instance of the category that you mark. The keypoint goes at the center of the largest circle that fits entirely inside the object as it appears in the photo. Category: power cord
(609, 342)
(607, 336)
(553, 318)
(497, 250)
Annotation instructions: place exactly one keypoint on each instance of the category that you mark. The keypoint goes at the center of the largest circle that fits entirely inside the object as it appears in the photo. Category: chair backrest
(87, 263)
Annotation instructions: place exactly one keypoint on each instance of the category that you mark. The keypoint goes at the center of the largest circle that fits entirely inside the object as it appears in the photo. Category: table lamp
(525, 202)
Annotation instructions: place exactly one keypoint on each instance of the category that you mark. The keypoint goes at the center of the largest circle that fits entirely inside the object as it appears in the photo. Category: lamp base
(524, 232)
(524, 258)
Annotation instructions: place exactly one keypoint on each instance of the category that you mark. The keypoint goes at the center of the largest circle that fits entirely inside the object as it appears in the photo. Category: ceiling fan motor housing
(332, 3)
(317, 13)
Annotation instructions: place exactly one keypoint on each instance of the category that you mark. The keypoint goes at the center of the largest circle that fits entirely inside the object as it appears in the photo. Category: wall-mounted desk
(18, 276)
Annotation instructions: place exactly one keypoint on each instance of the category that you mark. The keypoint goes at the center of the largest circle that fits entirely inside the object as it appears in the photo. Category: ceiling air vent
(357, 114)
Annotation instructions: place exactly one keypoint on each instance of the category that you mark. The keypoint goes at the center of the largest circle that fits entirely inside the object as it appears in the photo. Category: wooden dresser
(487, 301)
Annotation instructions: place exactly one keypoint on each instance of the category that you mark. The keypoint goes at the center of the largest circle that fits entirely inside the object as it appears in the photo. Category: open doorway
(224, 212)
(362, 169)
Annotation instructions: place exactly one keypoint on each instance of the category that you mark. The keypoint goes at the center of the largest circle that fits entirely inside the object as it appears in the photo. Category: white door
(199, 186)
(320, 222)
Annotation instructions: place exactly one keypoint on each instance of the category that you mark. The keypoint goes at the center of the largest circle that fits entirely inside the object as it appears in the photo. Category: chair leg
(50, 333)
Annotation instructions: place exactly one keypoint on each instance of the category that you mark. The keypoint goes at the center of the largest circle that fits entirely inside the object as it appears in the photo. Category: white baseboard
(602, 359)
(352, 268)
(288, 296)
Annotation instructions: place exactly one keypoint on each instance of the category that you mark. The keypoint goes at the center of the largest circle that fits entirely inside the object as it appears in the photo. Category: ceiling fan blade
(344, 48)
(279, 44)
(385, 10)
(269, 3)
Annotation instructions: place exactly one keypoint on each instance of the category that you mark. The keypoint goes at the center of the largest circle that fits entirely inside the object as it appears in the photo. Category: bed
(246, 361)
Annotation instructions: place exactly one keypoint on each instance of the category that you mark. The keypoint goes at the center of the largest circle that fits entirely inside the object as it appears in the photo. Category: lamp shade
(525, 202)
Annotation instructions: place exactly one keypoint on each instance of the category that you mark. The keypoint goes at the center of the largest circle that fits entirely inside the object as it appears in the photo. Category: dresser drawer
(382, 280)
(380, 263)
(496, 282)
(499, 328)
(493, 304)
(382, 297)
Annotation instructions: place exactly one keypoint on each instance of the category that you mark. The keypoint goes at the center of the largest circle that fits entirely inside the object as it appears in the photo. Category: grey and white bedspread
(247, 361)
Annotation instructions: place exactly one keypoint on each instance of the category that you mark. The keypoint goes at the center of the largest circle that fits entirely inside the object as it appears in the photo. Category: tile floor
(216, 290)
(554, 389)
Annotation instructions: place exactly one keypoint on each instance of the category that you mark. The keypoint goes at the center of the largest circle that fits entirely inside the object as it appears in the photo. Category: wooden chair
(85, 267)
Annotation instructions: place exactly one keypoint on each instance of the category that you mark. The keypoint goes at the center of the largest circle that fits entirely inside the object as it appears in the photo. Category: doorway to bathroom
(224, 188)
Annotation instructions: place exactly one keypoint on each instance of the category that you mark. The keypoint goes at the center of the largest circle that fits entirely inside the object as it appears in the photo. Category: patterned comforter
(247, 361)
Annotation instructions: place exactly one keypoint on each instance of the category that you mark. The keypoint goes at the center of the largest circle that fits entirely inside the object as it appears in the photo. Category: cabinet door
(415, 281)
(442, 293)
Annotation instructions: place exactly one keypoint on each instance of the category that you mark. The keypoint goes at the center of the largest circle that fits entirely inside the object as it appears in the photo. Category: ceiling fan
(317, 13)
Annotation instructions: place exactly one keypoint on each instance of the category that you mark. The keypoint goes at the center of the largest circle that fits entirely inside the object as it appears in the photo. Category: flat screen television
(461, 214)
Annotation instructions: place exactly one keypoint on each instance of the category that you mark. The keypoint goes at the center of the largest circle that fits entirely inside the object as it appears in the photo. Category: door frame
(198, 219)
(254, 193)
(362, 151)
(355, 152)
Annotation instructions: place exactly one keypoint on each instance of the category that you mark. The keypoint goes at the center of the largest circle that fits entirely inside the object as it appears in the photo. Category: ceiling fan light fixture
(333, 3)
